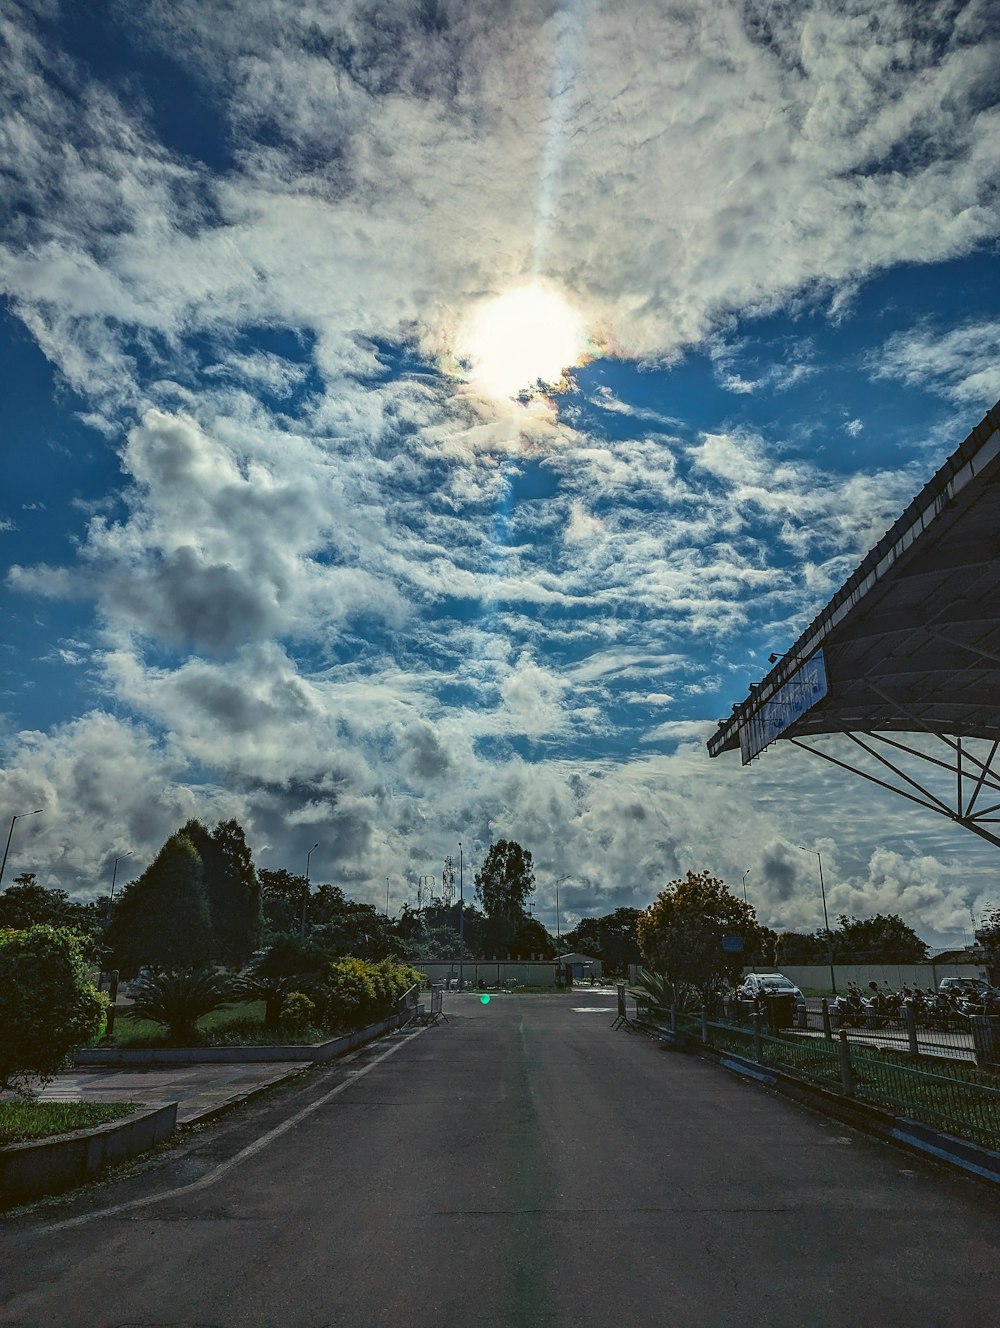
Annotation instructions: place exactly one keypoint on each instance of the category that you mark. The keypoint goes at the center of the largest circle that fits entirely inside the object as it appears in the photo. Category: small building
(581, 967)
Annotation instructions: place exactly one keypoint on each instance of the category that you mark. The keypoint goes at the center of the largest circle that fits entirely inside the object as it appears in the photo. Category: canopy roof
(911, 641)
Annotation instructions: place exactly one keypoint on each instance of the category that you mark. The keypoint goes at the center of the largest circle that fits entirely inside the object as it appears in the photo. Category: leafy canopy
(49, 1007)
(505, 880)
(681, 934)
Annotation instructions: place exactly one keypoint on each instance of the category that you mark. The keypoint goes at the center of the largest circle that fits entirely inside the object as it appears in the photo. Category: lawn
(239, 1025)
(21, 1121)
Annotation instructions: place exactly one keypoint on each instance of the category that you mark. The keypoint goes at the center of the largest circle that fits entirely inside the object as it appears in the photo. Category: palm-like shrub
(663, 993)
(177, 998)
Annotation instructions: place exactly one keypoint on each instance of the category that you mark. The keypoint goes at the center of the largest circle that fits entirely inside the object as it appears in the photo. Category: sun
(513, 341)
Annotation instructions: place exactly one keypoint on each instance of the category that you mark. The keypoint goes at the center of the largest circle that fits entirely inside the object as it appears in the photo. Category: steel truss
(974, 779)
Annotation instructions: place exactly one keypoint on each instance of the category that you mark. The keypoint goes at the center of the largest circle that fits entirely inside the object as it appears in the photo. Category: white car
(769, 984)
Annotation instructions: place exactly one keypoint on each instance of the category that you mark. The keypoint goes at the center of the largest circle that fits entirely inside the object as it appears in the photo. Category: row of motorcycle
(948, 1010)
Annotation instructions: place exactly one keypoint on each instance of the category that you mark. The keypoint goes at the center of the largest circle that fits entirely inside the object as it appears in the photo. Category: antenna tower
(448, 882)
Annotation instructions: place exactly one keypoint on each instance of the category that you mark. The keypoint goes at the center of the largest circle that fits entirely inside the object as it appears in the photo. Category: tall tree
(232, 889)
(162, 919)
(282, 893)
(682, 931)
(505, 880)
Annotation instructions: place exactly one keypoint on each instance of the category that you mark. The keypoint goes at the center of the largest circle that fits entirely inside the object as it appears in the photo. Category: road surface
(521, 1165)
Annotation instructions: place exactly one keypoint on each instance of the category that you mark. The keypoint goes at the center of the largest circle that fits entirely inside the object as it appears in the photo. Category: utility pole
(461, 917)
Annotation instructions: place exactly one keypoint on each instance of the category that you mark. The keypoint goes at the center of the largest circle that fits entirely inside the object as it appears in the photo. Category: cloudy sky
(421, 420)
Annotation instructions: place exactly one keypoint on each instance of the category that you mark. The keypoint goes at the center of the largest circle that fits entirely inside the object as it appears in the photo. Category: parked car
(962, 986)
(773, 984)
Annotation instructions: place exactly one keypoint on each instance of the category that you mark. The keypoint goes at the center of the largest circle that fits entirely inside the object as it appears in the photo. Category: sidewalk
(200, 1091)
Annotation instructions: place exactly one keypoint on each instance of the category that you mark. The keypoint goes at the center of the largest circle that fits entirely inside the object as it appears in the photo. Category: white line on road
(224, 1168)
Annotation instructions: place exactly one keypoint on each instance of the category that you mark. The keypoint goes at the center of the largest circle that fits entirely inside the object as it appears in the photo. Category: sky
(420, 422)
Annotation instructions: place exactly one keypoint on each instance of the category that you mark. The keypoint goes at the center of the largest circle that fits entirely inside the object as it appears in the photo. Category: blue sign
(732, 944)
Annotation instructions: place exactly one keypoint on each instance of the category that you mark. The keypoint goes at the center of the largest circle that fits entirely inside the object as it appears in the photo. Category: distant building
(582, 967)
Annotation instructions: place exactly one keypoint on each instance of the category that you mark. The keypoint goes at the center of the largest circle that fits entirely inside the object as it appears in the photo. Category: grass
(958, 1098)
(25, 1120)
(240, 1025)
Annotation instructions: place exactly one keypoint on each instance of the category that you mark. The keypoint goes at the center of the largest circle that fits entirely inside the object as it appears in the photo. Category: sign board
(732, 944)
(789, 703)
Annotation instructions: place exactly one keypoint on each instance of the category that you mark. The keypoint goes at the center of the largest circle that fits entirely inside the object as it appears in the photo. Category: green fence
(955, 1097)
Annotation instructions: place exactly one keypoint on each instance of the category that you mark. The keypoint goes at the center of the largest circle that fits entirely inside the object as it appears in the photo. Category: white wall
(541, 973)
(921, 975)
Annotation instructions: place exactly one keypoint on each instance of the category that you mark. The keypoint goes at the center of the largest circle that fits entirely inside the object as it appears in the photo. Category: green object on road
(485, 998)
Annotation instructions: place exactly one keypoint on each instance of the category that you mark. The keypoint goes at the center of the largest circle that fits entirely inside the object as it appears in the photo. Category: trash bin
(780, 1012)
(986, 1040)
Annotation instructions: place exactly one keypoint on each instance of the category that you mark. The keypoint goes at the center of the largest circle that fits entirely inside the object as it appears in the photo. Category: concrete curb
(315, 1051)
(914, 1135)
(47, 1166)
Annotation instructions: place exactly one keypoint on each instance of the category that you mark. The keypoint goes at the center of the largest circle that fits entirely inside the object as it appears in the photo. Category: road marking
(224, 1168)
(591, 1009)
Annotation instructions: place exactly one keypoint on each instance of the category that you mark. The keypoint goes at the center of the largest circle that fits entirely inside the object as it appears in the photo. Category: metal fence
(955, 1096)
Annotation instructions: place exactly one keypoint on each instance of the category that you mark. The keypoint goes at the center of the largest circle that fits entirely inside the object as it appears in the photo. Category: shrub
(298, 1013)
(347, 992)
(177, 998)
(49, 1007)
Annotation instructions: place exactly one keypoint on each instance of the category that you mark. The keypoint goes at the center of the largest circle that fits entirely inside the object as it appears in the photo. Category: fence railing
(955, 1096)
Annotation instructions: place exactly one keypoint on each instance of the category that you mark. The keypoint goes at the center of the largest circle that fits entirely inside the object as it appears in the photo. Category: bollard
(827, 1028)
(802, 1017)
(911, 1028)
(846, 1071)
(758, 1043)
(704, 1027)
(673, 1016)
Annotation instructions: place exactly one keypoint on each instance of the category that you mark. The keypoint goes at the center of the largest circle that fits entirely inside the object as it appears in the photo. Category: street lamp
(826, 920)
(747, 902)
(558, 922)
(305, 894)
(461, 917)
(18, 817)
(387, 897)
(114, 874)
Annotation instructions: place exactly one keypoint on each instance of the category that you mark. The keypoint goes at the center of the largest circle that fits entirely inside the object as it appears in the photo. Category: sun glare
(516, 340)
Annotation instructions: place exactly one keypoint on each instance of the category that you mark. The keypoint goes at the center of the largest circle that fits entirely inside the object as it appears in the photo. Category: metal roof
(911, 641)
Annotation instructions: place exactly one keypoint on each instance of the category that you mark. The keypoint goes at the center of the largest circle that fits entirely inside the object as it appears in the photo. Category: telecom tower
(448, 882)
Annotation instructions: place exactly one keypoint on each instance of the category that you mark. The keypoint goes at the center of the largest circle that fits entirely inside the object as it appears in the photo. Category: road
(521, 1165)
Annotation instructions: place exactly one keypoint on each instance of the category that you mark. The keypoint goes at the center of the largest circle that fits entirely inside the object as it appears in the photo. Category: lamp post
(558, 916)
(826, 920)
(461, 917)
(387, 898)
(114, 875)
(18, 817)
(305, 894)
(747, 902)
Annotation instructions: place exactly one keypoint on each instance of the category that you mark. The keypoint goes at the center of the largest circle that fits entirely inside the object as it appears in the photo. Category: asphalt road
(522, 1165)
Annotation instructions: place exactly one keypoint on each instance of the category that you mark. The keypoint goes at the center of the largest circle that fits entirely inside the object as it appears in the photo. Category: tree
(882, 939)
(49, 1007)
(793, 948)
(26, 903)
(505, 880)
(282, 893)
(681, 934)
(162, 919)
(232, 889)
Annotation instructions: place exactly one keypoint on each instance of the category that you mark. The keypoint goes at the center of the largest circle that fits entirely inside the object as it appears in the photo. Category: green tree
(26, 903)
(232, 889)
(161, 920)
(793, 948)
(49, 1007)
(882, 939)
(681, 934)
(282, 893)
(505, 880)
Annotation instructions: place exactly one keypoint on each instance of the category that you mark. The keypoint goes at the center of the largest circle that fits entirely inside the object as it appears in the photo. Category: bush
(49, 1008)
(298, 1013)
(178, 998)
(346, 993)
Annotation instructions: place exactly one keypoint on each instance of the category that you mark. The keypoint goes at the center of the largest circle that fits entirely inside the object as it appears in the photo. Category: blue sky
(273, 544)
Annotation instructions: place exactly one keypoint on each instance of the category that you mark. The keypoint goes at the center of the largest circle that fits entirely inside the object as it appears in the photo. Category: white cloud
(962, 363)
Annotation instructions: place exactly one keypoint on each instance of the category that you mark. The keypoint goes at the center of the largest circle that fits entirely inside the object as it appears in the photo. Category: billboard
(789, 703)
